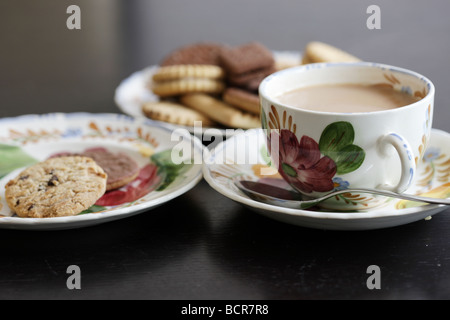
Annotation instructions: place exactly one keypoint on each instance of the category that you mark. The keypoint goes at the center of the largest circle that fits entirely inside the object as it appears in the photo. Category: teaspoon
(290, 199)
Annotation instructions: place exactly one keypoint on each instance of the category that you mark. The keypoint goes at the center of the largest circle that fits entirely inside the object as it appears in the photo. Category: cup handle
(406, 158)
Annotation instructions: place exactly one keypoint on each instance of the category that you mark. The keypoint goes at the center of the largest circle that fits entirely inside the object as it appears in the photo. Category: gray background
(120, 37)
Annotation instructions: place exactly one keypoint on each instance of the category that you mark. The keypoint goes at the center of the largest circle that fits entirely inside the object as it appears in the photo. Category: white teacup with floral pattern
(318, 152)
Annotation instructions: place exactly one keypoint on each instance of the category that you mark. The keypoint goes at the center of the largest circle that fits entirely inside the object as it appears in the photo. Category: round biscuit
(196, 53)
(242, 99)
(57, 187)
(188, 71)
(120, 168)
(184, 86)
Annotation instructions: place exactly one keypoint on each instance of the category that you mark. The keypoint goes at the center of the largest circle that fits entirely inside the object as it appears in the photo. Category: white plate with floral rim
(29, 139)
(245, 155)
(133, 92)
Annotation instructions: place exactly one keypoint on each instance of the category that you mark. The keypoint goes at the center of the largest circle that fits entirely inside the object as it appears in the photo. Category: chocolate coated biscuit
(197, 53)
(242, 99)
(251, 80)
(246, 58)
(119, 167)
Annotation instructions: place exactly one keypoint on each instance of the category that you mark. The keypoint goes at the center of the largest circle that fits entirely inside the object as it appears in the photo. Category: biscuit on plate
(175, 113)
(316, 52)
(188, 71)
(57, 187)
(242, 99)
(247, 65)
(175, 80)
(196, 53)
(220, 111)
(251, 81)
(246, 58)
(120, 168)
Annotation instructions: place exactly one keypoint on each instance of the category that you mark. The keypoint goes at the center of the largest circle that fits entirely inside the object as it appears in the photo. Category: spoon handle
(309, 203)
(404, 196)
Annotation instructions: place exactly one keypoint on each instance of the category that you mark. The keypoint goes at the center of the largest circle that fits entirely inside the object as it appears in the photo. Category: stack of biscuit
(192, 87)
(218, 84)
(175, 80)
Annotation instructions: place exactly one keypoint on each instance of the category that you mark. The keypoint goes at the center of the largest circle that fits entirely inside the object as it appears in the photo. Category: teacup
(317, 152)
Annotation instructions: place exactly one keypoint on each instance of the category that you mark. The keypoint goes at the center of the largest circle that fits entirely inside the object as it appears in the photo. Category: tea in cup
(333, 126)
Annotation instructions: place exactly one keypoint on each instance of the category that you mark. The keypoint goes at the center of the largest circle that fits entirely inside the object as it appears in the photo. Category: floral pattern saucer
(29, 139)
(245, 155)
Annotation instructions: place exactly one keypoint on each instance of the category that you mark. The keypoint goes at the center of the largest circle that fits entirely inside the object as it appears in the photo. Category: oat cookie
(62, 186)
(175, 113)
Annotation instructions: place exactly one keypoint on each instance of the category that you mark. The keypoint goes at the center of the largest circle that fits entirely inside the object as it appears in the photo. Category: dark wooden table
(203, 245)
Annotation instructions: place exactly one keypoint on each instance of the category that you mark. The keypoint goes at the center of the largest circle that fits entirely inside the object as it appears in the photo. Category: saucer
(245, 155)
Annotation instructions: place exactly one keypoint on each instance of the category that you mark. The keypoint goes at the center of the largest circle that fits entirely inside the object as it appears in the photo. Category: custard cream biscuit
(184, 86)
(220, 111)
(188, 71)
(316, 52)
(57, 187)
(182, 79)
(174, 113)
(242, 99)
